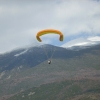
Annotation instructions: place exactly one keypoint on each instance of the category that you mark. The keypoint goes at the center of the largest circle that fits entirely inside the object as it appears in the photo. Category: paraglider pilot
(49, 61)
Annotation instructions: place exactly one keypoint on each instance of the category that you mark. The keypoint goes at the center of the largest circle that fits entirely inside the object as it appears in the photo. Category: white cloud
(21, 20)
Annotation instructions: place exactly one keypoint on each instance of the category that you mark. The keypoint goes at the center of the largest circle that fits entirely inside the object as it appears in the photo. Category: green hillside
(63, 90)
(83, 67)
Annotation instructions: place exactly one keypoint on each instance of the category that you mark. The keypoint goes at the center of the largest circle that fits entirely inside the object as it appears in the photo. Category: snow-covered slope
(80, 42)
(25, 48)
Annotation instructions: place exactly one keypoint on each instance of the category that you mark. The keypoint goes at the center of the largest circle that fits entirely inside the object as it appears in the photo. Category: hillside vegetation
(81, 70)
(64, 90)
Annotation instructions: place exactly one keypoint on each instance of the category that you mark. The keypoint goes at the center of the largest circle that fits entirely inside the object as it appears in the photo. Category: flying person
(49, 61)
(49, 31)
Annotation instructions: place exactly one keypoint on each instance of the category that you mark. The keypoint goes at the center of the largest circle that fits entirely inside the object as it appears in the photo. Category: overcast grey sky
(20, 20)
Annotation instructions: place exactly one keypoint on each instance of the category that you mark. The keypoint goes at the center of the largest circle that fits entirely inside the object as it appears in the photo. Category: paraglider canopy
(49, 31)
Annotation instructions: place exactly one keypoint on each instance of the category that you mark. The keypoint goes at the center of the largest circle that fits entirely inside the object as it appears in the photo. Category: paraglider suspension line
(54, 49)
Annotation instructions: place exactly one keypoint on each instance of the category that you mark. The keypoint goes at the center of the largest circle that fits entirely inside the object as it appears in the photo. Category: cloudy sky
(20, 20)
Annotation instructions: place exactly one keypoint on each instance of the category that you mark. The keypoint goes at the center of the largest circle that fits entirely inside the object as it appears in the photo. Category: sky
(20, 20)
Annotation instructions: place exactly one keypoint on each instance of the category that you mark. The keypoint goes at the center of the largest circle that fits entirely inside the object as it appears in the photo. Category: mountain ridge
(35, 55)
(82, 42)
(66, 65)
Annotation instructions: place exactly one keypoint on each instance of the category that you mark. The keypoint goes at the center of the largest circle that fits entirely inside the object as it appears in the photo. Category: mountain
(29, 57)
(32, 56)
(81, 43)
(27, 69)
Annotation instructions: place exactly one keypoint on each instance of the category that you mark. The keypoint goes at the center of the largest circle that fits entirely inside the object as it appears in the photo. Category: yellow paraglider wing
(49, 31)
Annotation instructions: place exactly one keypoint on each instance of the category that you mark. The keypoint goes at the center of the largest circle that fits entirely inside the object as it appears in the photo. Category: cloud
(21, 20)
(80, 16)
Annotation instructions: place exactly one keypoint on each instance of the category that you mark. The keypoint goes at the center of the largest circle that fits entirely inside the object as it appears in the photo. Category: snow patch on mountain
(82, 42)
(2, 74)
(20, 67)
(21, 53)
(9, 77)
(33, 45)
(37, 44)
(28, 47)
(96, 38)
